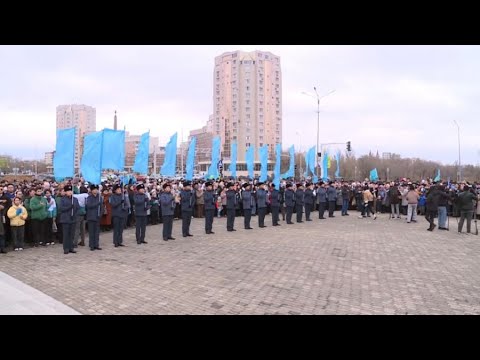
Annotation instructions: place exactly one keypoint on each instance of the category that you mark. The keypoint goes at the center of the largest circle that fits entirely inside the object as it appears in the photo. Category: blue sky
(400, 99)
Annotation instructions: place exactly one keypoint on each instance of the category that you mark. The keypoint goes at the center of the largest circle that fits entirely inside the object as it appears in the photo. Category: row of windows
(243, 167)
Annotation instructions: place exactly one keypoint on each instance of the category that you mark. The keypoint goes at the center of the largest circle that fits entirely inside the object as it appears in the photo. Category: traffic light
(349, 146)
(295, 167)
(319, 154)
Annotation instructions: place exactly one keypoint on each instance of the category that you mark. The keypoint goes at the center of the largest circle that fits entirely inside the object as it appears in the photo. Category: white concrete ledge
(17, 298)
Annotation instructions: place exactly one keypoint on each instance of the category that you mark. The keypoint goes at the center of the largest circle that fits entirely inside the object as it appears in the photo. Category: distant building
(247, 101)
(390, 156)
(83, 119)
(49, 158)
(131, 149)
(49, 161)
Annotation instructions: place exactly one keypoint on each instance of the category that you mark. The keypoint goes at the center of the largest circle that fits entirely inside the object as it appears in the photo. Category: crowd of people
(46, 213)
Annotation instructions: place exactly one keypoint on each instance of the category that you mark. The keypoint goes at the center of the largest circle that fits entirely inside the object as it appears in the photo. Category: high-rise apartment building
(83, 118)
(247, 97)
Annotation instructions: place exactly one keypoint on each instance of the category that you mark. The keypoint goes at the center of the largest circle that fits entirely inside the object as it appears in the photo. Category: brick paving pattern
(342, 265)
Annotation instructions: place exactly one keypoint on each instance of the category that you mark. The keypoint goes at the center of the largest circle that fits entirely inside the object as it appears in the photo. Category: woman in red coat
(106, 219)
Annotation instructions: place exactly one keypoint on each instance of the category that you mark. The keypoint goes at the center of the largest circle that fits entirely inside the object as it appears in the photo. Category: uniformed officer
(93, 205)
(187, 203)
(120, 207)
(275, 198)
(322, 200)
(332, 199)
(231, 206)
(167, 203)
(209, 201)
(299, 202)
(68, 214)
(309, 201)
(247, 202)
(261, 204)
(141, 206)
(289, 202)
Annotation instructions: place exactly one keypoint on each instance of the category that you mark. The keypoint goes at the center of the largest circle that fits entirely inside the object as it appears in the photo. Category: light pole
(459, 172)
(318, 97)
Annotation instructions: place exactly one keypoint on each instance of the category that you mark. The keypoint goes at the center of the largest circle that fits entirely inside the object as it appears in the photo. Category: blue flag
(325, 166)
(307, 167)
(141, 160)
(233, 159)
(311, 163)
(263, 152)
(437, 178)
(291, 169)
(170, 162)
(250, 158)
(113, 149)
(64, 158)
(191, 159)
(91, 164)
(212, 172)
(374, 175)
(337, 173)
(278, 162)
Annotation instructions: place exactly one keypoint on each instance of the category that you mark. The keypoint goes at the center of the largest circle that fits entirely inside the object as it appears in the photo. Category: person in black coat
(309, 201)
(261, 204)
(187, 203)
(322, 200)
(142, 205)
(275, 203)
(433, 198)
(231, 206)
(332, 198)
(299, 202)
(289, 202)
(247, 202)
(120, 203)
(167, 204)
(94, 206)
(209, 200)
(68, 214)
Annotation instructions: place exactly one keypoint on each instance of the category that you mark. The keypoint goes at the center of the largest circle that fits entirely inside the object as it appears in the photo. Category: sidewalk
(17, 298)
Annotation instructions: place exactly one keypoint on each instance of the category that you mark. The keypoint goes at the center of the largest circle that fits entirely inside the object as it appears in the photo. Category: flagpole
(181, 156)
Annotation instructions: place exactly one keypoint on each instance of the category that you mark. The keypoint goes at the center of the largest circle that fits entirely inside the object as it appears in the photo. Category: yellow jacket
(17, 220)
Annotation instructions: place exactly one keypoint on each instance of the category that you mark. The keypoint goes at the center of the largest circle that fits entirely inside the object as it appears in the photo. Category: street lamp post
(459, 172)
(318, 97)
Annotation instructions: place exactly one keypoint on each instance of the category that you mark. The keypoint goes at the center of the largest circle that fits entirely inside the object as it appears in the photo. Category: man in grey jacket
(120, 206)
(93, 205)
(332, 198)
(167, 203)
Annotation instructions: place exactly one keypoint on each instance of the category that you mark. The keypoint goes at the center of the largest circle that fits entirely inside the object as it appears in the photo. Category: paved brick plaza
(343, 265)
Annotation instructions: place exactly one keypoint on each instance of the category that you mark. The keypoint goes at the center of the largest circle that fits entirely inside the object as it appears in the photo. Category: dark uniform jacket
(120, 205)
(300, 197)
(261, 198)
(309, 196)
(209, 200)
(94, 207)
(231, 199)
(289, 197)
(247, 200)
(332, 194)
(167, 203)
(322, 195)
(275, 198)
(187, 200)
(68, 210)
(141, 204)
